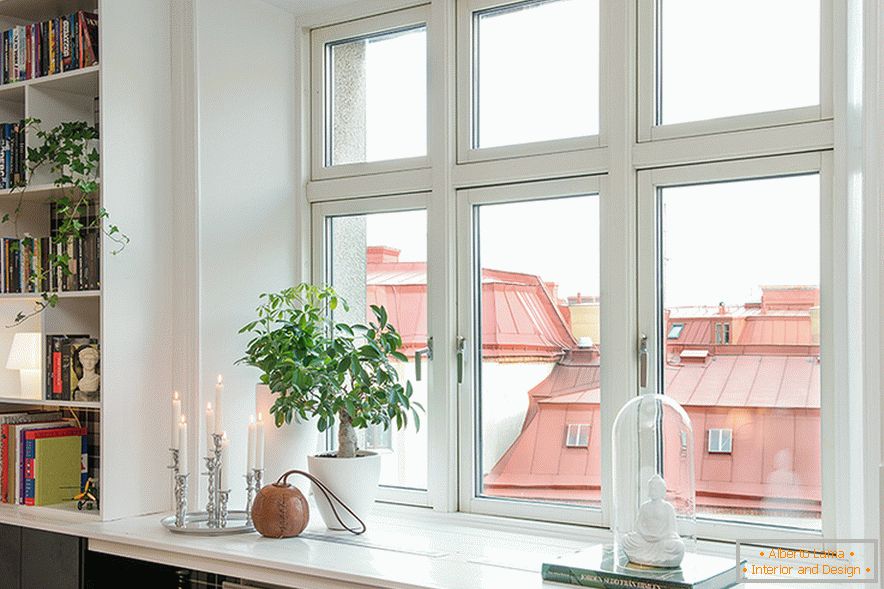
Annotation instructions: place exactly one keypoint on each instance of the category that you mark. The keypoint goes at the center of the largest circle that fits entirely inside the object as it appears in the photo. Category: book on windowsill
(596, 567)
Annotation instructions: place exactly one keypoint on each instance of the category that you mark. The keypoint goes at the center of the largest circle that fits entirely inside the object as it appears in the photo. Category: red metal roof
(520, 317)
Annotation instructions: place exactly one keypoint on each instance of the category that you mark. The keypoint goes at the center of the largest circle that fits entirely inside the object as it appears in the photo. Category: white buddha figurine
(655, 540)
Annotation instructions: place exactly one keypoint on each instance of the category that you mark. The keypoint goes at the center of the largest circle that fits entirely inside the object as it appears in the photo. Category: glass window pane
(538, 383)
(536, 72)
(741, 275)
(377, 97)
(721, 58)
(381, 259)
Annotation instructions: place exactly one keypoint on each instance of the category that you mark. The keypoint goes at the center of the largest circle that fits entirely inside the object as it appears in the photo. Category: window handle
(460, 348)
(643, 360)
(418, 357)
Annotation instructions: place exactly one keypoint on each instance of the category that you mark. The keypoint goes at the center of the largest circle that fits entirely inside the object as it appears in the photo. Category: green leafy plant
(69, 152)
(337, 372)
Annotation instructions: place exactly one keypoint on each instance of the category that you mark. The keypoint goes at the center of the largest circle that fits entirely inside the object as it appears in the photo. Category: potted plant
(336, 373)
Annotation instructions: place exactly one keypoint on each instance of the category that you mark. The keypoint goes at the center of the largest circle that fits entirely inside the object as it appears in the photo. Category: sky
(539, 80)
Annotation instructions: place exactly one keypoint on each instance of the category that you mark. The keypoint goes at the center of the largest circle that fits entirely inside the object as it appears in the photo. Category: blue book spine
(29, 486)
(84, 462)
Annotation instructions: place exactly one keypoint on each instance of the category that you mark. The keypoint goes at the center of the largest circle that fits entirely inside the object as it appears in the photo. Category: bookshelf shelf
(69, 294)
(65, 510)
(82, 81)
(44, 403)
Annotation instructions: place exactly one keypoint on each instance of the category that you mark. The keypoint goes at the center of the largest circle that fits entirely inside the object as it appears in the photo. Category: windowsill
(404, 547)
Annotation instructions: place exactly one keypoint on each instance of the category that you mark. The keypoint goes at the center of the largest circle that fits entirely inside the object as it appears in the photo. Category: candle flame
(251, 419)
(220, 379)
(184, 419)
(209, 406)
(175, 396)
(260, 418)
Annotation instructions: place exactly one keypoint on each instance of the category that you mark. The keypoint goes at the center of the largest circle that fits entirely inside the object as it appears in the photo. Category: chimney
(381, 254)
(553, 290)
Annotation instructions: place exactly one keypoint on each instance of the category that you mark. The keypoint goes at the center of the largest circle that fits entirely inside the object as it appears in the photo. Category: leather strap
(329, 495)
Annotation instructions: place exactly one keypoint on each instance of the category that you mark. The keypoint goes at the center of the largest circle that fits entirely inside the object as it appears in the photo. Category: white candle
(182, 447)
(210, 428)
(259, 443)
(225, 463)
(250, 461)
(219, 405)
(176, 417)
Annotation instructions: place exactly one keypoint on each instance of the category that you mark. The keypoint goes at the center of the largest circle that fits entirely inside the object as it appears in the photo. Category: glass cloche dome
(653, 519)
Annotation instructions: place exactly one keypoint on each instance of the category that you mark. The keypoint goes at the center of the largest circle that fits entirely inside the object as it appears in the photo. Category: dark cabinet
(10, 557)
(34, 559)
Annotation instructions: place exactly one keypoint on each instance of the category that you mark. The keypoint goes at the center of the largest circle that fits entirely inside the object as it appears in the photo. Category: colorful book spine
(29, 451)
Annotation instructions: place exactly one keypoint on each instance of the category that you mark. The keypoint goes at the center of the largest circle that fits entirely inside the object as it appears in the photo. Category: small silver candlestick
(210, 501)
(176, 464)
(250, 494)
(259, 478)
(180, 500)
(223, 496)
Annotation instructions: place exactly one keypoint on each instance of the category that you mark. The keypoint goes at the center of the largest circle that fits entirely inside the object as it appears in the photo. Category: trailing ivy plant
(70, 154)
(337, 372)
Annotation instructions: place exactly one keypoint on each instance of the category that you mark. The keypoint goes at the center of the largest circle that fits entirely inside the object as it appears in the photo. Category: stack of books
(57, 45)
(43, 458)
(12, 154)
(63, 365)
(25, 263)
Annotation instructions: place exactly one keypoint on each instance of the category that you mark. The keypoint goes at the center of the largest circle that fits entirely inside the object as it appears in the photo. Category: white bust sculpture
(655, 540)
(87, 387)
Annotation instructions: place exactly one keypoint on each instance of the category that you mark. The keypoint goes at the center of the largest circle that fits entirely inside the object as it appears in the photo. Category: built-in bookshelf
(130, 313)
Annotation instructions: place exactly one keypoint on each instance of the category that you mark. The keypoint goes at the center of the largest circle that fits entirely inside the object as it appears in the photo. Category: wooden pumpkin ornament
(280, 510)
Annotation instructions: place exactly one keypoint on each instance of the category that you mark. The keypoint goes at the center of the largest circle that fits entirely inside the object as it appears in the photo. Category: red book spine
(56, 373)
(4, 465)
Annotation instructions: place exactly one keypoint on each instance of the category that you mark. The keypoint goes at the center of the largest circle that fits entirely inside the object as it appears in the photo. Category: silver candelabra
(217, 519)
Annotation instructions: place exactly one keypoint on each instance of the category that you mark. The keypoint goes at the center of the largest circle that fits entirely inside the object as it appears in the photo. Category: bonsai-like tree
(336, 372)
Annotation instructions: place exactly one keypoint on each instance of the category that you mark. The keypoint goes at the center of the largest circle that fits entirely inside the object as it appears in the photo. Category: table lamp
(24, 356)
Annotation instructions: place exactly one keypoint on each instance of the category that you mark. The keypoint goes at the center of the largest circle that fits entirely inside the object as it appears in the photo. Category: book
(13, 449)
(56, 365)
(55, 465)
(598, 567)
(7, 419)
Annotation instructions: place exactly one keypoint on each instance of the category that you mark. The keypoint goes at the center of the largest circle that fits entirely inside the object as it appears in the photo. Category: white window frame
(321, 214)
(466, 99)
(469, 324)
(649, 184)
(356, 29)
(720, 434)
(648, 129)
(577, 435)
(625, 158)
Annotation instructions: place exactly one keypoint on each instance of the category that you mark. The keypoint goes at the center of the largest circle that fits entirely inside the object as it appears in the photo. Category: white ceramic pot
(353, 480)
(285, 448)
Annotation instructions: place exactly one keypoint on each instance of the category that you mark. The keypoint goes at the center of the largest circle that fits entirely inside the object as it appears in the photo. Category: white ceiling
(299, 7)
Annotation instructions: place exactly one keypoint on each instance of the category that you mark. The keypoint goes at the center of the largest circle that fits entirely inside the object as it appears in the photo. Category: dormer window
(720, 441)
(577, 435)
(722, 333)
(675, 330)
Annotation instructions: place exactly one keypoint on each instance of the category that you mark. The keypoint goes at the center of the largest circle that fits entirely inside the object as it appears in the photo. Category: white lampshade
(26, 352)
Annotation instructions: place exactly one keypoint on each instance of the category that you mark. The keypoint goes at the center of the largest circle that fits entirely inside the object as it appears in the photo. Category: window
(381, 259)
(535, 63)
(577, 435)
(720, 441)
(723, 58)
(749, 351)
(372, 106)
(722, 333)
(536, 341)
(597, 195)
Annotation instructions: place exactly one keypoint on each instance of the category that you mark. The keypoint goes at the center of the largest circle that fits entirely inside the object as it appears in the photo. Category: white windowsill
(405, 547)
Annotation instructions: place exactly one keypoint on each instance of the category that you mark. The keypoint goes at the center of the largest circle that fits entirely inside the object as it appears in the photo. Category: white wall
(246, 67)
